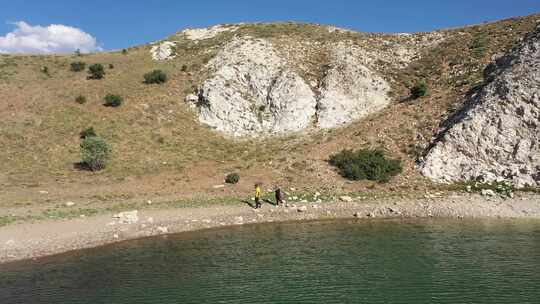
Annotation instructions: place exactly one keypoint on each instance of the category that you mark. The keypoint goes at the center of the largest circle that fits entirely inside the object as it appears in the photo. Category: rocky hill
(496, 137)
(278, 84)
(272, 101)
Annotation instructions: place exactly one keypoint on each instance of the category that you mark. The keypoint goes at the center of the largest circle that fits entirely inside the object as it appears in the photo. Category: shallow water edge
(33, 240)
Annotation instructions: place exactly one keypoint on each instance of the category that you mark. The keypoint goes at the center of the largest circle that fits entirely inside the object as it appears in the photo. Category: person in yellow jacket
(257, 196)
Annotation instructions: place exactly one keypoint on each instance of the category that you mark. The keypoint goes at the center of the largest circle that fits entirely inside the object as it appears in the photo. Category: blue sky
(122, 23)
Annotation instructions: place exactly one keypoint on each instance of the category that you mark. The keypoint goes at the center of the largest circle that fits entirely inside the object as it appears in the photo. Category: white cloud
(55, 38)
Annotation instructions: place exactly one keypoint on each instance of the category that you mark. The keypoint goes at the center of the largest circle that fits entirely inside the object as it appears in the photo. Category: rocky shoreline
(43, 238)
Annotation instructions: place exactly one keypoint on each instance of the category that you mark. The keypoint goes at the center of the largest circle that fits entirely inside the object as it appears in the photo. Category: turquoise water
(420, 261)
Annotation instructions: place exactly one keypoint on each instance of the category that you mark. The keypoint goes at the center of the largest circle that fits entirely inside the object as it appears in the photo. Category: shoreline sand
(44, 238)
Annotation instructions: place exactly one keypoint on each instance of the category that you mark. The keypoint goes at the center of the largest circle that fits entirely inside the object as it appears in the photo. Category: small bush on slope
(156, 76)
(365, 164)
(80, 99)
(418, 90)
(112, 100)
(232, 178)
(87, 133)
(78, 66)
(94, 153)
(96, 71)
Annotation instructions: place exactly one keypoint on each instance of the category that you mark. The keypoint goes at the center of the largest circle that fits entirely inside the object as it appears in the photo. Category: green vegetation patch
(89, 132)
(419, 90)
(94, 153)
(7, 219)
(96, 71)
(80, 99)
(365, 164)
(232, 178)
(155, 77)
(112, 100)
(78, 66)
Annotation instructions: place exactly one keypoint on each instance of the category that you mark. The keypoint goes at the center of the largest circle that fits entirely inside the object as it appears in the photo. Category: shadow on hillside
(472, 99)
(252, 205)
(269, 202)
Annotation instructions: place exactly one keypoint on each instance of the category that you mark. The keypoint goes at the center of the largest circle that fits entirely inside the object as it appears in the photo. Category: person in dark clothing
(279, 197)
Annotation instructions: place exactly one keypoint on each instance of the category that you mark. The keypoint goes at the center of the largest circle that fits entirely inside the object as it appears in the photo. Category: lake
(346, 261)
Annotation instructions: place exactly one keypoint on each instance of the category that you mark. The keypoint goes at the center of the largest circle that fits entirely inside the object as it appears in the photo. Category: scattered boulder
(488, 192)
(69, 204)
(192, 98)
(162, 229)
(302, 209)
(346, 199)
(238, 220)
(127, 217)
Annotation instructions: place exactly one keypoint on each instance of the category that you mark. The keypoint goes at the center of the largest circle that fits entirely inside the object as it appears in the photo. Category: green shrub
(184, 68)
(111, 66)
(78, 66)
(80, 99)
(124, 52)
(94, 153)
(419, 90)
(479, 46)
(156, 76)
(96, 71)
(87, 133)
(45, 70)
(112, 100)
(232, 178)
(365, 164)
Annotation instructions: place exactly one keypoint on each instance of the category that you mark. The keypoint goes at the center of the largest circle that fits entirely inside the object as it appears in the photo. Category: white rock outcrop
(163, 51)
(350, 89)
(253, 90)
(208, 33)
(127, 217)
(497, 136)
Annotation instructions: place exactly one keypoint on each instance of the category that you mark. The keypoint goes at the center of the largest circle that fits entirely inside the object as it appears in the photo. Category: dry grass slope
(160, 150)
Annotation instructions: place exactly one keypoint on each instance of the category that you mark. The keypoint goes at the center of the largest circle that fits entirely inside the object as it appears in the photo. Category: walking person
(257, 196)
(279, 197)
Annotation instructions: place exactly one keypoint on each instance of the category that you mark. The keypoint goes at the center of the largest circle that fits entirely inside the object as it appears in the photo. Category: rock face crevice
(253, 90)
(497, 135)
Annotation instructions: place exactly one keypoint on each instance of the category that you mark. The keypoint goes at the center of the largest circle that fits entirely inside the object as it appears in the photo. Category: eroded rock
(163, 51)
(350, 90)
(208, 33)
(252, 90)
(497, 135)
